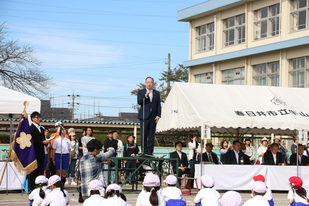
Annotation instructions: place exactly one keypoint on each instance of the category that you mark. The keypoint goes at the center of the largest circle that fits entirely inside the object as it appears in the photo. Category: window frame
(297, 71)
(234, 79)
(205, 41)
(294, 15)
(239, 30)
(267, 75)
(270, 22)
(208, 78)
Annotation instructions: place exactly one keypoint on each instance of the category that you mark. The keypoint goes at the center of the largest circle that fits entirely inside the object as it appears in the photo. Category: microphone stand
(143, 130)
(60, 133)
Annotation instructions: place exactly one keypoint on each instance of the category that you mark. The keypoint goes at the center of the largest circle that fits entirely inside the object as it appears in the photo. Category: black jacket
(38, 138)
(304, 160)
(213, 155)
(269, 160)
(182, 162)
(111, 143)
(230, 158)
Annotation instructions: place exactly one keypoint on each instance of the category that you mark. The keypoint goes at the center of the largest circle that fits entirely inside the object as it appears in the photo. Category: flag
(23, 151)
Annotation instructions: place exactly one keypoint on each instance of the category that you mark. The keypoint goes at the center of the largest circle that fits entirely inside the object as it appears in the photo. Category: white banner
(206, 134)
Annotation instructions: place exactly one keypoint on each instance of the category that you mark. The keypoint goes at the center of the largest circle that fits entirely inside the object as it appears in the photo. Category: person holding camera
(91, 164)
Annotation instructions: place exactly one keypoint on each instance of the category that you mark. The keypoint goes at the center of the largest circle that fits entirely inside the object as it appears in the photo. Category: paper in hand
(51, 138)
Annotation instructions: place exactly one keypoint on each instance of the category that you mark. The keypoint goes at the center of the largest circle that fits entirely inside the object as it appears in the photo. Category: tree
(178, 74)
(19, 68)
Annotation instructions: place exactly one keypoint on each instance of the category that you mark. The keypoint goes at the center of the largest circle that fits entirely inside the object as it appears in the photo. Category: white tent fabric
(236, 109)
(12, 102)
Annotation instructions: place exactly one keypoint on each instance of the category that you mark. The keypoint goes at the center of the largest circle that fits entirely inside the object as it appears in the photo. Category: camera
(112, 164)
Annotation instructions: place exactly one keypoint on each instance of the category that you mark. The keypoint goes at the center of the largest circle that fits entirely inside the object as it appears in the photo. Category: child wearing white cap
(208, 195)
(258, 191)
(151, 194)
(96, 189)
(171, 193)
(231, 198)
(58, 195)
(113, 196)
(41, 191)
(62, 155)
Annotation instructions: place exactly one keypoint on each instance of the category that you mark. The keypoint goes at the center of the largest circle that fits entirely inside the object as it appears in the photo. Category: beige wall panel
(233, 63)
(297, 52)
(233, 12)
(265, 57)
(258, 4)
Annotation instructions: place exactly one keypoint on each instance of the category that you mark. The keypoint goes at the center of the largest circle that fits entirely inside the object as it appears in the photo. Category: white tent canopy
(12, 102)
(236, 109)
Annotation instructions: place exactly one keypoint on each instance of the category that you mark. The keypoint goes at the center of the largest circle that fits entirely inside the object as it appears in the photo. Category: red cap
(259, 178)
(296, 181)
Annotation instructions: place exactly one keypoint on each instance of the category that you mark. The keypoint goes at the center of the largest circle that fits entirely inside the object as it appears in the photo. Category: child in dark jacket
(130, 150)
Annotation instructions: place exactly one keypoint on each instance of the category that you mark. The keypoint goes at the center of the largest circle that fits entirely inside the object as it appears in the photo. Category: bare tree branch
(19, 68)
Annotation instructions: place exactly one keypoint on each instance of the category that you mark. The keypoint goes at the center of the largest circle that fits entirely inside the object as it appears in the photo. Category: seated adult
(243, 148)
(235, 156)
(209, 155)
(272, 156)
(302, 159)
(182, 160)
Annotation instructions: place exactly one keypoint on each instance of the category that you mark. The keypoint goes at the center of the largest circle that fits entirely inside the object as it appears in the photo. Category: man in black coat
(149, 114)
(37, 132)
(235, 156)
(182, 160)
(209, 155)
(302, 159)
(272, 156)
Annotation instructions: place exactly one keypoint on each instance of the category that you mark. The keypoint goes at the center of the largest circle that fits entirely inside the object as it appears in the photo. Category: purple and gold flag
(23, 152)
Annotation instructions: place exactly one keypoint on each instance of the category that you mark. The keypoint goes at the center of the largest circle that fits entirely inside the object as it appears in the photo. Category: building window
(234, 76)
(200, 78)
(234, 31)
(204, 78)
(205, 37)
(299, 14)
(299, 72)
(267, 21)
(267, 74)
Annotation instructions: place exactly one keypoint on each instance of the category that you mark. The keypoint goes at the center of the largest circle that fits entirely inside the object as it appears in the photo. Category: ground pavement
(17, 198)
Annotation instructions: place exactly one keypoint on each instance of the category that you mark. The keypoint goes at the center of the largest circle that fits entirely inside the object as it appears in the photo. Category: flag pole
(11, 143)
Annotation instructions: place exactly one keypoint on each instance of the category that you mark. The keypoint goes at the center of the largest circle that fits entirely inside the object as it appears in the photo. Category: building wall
(283, 56)
(248, 8)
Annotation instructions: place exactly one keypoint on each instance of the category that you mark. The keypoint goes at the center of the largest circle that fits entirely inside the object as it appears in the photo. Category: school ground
(17, 198)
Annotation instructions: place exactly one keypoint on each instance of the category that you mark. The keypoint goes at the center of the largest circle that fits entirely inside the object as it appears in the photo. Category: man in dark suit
(272, 156)
(37, 132)
(149, 114)
(209, 155)
(182, 160)
(235, 156)
(302, 159)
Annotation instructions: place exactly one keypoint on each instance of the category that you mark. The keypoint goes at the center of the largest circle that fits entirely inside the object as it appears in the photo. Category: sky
(98, 49)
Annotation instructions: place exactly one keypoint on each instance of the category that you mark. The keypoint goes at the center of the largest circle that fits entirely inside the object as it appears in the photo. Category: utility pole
(168, 71)
(73, 96)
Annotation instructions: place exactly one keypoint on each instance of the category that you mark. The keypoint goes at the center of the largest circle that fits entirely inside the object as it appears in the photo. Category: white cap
(95, 185)
(171, 180)
(208, 181)
(114, 187)
(259, 187)
(151, 180)
(53, 179)
(231, 198)
(58, 124)
(41, 179)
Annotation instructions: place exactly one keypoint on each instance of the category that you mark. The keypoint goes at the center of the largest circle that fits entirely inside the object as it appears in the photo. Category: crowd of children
(51, 192)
